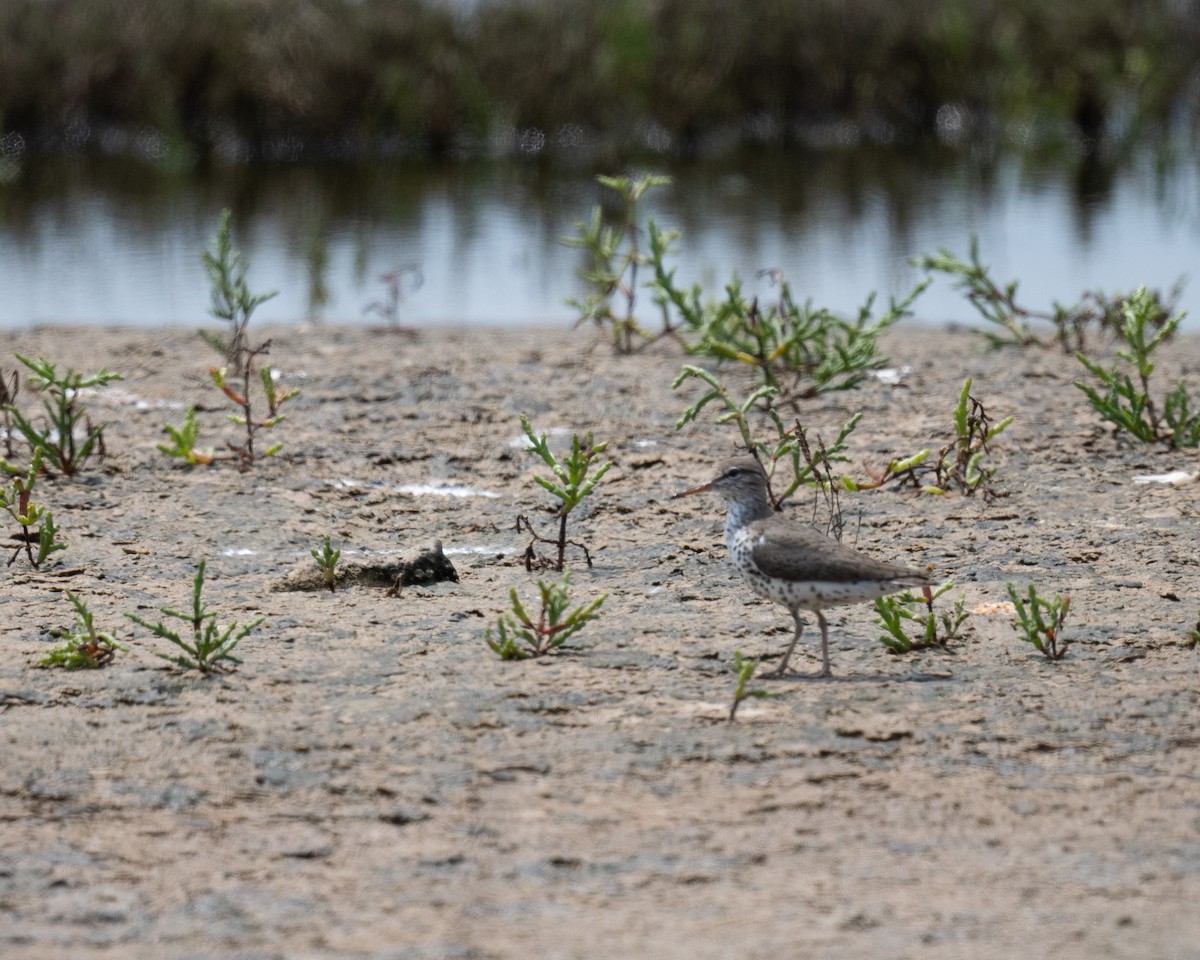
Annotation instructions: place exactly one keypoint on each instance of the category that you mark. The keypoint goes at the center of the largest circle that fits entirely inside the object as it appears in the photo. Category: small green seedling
(573, 480)
(17, 500)
(519, 636)
(958, 465)
(1194, 636)
(210, 647)
(67, 437)
(614, 258)
(183, 441)
(908, 608)
(230, 295)
(85, 647)
(245, 454)
(327, 559)
(233, 301)
(1129, 406)
(1040, 621)
(744, 669)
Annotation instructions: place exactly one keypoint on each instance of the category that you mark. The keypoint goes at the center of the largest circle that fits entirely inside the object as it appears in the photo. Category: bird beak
(703, 488)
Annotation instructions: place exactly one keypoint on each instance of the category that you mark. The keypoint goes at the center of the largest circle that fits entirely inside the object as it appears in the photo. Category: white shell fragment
(1175, 477)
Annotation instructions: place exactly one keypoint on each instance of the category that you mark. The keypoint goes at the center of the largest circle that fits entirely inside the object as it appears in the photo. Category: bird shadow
(863, 677)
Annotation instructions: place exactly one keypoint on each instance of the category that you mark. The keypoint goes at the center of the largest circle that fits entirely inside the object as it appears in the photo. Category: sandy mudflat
(374, 783)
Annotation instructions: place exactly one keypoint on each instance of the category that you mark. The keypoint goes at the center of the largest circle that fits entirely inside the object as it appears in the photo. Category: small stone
(402, 816)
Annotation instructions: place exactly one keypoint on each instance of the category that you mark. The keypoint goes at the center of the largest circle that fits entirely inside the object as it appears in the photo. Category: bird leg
(825, 671)
(782, 668)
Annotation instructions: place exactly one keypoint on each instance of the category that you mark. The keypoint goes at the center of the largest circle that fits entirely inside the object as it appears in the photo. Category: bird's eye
(733, 472)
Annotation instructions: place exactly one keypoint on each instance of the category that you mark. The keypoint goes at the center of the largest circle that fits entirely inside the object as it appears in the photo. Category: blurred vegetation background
(290, 78)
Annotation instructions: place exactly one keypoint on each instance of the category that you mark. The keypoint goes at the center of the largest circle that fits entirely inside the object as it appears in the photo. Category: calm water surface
(108, 240)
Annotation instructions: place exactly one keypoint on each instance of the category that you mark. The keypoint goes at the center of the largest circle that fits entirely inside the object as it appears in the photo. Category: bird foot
(783, 672)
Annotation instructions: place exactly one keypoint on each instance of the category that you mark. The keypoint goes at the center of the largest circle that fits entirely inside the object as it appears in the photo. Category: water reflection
(100, 240)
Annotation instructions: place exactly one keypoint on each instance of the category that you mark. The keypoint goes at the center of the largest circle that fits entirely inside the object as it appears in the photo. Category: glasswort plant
(1040, 621)
(744, 669)
(519, 636)
(17, 500)
(244, 454)
(85, 647)
(958, 465)
(998, 305)
(571, 483)
(895, 611)
(233, 301)
(327, 560)
(1129, 406)
(230, 294)
(183, 441)
(615, 257)
(68, 437)
(803, 350)
(209, 648)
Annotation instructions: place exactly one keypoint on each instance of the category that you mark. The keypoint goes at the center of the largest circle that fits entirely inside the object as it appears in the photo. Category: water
(116, 241)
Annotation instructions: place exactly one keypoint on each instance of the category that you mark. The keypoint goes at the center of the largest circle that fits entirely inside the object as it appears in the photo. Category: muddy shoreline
(374, 783)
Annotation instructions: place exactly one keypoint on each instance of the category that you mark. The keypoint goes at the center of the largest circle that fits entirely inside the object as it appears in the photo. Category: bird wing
(796, 552)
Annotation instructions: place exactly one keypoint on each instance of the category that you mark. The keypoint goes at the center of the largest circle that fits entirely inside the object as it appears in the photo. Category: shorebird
(790, 562)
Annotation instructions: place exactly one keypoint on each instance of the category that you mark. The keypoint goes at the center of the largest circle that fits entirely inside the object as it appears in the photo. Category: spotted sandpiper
(790, 562)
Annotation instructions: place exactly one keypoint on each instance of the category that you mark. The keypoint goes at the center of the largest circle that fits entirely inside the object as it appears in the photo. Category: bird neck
(745, 511)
